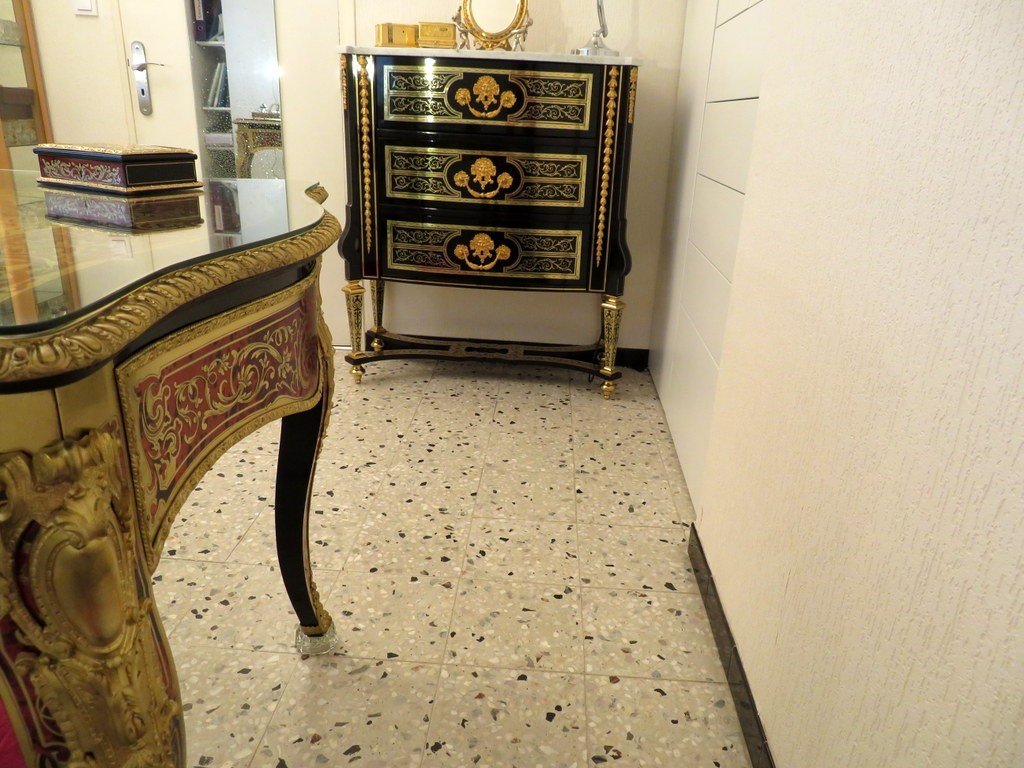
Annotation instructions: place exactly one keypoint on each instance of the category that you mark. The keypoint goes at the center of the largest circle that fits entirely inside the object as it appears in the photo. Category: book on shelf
(217, 95)
(211, 93)
(206, 15)
(224, 94)
(224, 202)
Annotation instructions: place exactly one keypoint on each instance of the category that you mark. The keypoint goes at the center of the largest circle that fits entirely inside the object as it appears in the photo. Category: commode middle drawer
(451, 172)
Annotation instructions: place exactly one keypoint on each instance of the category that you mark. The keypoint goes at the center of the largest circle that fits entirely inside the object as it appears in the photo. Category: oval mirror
(493, 22)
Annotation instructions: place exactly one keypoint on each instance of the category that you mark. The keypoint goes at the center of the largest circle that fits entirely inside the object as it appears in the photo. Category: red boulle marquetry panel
(183, 405)
(84, 170)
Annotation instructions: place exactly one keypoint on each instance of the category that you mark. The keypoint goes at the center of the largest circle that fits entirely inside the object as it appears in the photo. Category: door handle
(140, 70)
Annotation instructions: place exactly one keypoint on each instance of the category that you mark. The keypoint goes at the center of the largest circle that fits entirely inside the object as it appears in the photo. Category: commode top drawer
(449, 95)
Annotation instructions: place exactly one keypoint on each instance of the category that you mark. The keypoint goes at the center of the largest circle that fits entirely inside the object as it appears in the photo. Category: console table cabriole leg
(301, 437)
(354, 291)
(377, 296)
(611, 312)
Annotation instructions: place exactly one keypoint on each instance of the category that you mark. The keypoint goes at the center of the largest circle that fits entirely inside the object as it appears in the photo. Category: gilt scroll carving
(82, 653)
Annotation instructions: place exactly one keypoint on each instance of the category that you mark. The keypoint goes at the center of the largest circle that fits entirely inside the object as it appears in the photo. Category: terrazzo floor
(504, 556)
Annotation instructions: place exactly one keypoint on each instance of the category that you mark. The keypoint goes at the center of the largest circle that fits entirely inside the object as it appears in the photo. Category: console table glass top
(58, 267)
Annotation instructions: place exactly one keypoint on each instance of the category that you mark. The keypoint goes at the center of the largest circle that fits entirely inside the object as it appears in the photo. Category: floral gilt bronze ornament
(486, 93)
(472, 31)
(481, 254)
(483, 173)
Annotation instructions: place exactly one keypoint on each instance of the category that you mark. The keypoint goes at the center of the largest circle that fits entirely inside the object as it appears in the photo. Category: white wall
(864, 492)
(651, 31)
(717, 109)
(313, 135)
(83, 65)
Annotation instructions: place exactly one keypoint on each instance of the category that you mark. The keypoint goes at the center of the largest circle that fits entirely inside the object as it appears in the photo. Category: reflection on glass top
(65, 252)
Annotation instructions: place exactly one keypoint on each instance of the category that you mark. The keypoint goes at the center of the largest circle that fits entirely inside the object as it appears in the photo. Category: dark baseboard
(630, 357)
(750, 721)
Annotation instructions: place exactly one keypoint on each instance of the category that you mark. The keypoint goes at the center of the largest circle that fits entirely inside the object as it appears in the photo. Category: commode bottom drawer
(486, 256)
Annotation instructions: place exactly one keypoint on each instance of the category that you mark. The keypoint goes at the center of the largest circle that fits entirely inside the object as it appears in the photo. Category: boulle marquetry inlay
(91, 171)
(551, 254)
(489, 172)
(558, 100)
(184, 394)
(514, 178)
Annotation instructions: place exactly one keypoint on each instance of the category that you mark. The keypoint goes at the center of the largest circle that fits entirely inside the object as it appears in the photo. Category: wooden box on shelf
(435, 34)
(397, 35)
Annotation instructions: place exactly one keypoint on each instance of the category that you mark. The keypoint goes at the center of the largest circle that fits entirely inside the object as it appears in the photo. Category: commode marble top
(450, 53)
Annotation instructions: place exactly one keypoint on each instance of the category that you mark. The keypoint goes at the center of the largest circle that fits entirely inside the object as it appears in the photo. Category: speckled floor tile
(344, 493)
(522, 490)
(228, 698)
(456, 404)
(507, 514)
(649, 634)
(676, 482)
(241, 606)
(493, 718)
(626, 498)
(523, 551)
(523, 626)
(451, 489)
(538, 444)
(634, 447)
(174, 585)
(390, 616)
(636, 558)
(427, 544)
(330, 540)
(341, 711)
(394, 379)
(209, 526)
(662, 723)
(551, 411)
(430, 439)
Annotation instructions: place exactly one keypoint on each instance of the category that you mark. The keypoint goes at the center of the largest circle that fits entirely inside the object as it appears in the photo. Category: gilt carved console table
(487, 169)
(128, 364)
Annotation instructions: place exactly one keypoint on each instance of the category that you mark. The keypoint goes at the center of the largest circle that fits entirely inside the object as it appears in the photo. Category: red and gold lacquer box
(122, 170)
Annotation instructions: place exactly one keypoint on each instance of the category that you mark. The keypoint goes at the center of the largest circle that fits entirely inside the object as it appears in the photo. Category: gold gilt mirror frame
(509, 38)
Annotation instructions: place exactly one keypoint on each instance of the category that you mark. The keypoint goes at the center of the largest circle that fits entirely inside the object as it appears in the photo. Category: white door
(91, 89)
(164, 27)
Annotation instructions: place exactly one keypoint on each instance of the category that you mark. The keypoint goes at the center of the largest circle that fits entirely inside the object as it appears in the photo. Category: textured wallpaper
(863, 509)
